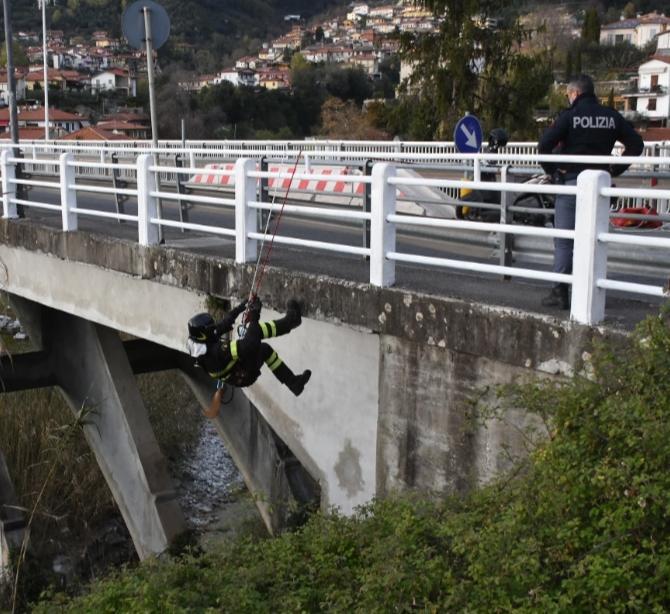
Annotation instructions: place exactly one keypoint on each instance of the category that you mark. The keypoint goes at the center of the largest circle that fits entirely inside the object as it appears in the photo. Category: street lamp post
(43, 4)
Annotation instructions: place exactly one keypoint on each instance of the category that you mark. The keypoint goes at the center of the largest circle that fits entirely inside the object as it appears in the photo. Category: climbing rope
(263, 260)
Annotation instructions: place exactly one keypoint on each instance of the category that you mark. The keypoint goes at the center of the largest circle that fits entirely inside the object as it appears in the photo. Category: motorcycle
(525, 207)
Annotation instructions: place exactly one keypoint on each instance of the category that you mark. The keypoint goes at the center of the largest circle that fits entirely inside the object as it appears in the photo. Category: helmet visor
(195, 349)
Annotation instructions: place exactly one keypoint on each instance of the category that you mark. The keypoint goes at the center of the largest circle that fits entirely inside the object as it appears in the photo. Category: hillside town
(363, 38)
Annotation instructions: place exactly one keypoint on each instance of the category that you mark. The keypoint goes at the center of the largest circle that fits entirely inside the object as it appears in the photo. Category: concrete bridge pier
(92, 369)
(281, 486)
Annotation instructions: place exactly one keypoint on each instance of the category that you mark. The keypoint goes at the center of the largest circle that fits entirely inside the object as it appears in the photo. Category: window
(654, 81)
(651, 105)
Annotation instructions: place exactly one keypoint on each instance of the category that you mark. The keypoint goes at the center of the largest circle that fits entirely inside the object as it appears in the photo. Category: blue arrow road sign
(468, 134)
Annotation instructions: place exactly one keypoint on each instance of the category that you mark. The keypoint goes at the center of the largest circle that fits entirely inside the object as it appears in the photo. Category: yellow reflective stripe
(273, 326)
(264, 328)
(233, 349)
(271, 358)
(224, 372)
(275, 363)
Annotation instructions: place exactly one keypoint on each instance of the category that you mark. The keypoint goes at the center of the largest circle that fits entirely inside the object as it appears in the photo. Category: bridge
(409, 309)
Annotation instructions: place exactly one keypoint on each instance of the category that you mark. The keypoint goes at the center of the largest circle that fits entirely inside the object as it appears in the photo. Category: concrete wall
(393, 370)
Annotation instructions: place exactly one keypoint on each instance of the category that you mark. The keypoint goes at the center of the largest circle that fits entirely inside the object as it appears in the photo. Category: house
(60, 122)
(637, 31)
(20, 85)
(124, 129)
(114, 79)
(653, 90)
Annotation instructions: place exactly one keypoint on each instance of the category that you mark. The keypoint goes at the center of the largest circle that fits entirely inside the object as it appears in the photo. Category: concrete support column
(91, 367)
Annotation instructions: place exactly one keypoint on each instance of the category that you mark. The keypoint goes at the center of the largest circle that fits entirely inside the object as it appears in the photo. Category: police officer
(239, 362)
(586, 128)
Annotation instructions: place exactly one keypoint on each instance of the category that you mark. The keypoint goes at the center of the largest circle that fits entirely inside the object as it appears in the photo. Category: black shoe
(294, 313)
(558, 298)
(299, 381)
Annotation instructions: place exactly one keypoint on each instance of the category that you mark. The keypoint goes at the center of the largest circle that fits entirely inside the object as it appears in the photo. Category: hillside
(193, 21)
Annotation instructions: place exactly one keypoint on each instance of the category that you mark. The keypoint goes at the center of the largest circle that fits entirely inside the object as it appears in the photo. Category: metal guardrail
(591, 237)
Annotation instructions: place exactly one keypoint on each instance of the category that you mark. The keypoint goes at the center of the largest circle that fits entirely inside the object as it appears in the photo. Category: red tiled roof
(92, 133)
(25, 134)
(656, 134)
(120, 125)
(38, 114)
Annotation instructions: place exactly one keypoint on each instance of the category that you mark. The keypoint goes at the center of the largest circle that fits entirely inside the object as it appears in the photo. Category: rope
(262, 262)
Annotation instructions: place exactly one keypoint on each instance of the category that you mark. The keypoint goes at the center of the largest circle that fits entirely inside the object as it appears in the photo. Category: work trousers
(564, 218)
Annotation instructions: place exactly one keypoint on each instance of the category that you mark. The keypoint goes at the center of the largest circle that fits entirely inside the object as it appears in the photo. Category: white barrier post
(382, 233)
(68, 194)
(590, 256)
(147, 205)
(8, 186)
(246, 250)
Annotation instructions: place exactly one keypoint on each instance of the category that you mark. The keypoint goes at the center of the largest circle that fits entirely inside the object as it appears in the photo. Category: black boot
(295, 383)
(298, 384)
(558, 297)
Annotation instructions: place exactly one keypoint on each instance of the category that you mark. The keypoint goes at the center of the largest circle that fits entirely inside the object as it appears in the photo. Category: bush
(583, 524)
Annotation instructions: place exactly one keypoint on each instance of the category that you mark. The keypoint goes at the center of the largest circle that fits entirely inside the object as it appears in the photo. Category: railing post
(147, 205)
(8, 186)
(506, 239)
(68, 195)
(246, 249)
(589, 255)
(382, 233)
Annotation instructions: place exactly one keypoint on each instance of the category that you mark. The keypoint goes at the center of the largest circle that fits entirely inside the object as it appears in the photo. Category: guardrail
(592, 235)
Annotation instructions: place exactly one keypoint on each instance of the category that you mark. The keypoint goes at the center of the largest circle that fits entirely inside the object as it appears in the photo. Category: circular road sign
(468, 134)
(133, 24)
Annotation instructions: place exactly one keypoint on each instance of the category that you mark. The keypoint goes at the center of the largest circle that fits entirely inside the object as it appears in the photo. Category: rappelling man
(238, 362)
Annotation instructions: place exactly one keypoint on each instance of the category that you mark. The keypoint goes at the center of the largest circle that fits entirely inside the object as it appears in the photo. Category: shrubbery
(582, 525)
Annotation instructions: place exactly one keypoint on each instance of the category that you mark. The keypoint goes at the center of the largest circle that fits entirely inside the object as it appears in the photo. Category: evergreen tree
(568, 66)
(610, 98)
(591, 26)
(629, 10)
(472, 63)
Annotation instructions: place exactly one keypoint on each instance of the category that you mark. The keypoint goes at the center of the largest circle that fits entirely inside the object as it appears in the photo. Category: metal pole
(150, 76)
(152, 107)
(11, 81)
(43, 4)
(11, 95)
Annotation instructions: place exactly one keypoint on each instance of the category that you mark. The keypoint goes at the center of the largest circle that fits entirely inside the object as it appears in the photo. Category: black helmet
(201, 327)
(498, 138)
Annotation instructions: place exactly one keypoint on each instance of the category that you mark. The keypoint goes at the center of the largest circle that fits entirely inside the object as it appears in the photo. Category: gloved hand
(236, 311)
(254, 309)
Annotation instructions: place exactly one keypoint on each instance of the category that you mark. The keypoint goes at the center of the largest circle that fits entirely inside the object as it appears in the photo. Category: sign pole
(152, 105)
(11, 80)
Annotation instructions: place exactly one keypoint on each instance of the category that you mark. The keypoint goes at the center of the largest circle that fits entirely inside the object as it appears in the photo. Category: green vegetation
(472, 64)
(582, 524)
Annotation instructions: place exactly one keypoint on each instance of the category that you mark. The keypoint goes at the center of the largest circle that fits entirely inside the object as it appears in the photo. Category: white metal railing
(591, 237)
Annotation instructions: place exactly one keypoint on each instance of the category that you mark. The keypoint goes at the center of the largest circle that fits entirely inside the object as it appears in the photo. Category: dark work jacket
(588, 128)
(234, 361)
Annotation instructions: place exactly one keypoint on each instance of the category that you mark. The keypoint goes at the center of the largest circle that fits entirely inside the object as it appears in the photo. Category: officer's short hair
(582, 84)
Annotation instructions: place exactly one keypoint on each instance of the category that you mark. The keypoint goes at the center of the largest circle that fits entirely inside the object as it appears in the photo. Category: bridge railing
(591, 237)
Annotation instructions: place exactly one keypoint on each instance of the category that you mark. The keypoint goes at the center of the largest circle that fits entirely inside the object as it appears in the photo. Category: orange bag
(621, 222)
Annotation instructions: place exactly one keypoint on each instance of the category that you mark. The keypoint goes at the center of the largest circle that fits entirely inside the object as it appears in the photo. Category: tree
(473, 63)
(343, 120)
(20, 57)
(629, 11)
(318, 34)
(610, 98)
(591, 26)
